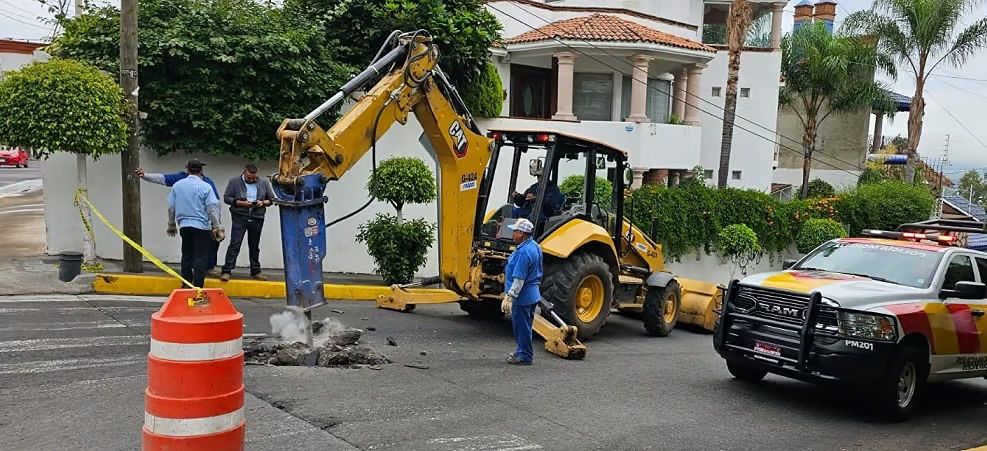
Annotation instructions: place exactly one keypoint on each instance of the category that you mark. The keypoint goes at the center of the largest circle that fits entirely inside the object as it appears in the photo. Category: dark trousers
(196, 246)
(213, 255)
(522, 317)
(251, 228)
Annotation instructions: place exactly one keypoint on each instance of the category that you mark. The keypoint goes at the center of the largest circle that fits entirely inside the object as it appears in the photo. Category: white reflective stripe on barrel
(187, 427)
(190, 352)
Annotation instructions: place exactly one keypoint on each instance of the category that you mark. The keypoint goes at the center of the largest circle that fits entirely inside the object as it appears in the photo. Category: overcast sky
(964, 99)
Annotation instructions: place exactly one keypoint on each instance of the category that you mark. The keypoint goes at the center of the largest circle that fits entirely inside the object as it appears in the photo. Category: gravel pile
(333, 348)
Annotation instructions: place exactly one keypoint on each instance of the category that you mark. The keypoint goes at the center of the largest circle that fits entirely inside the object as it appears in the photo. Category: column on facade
(566, 61)
(776, 12)
(878, 132)
(692, 113)
(678, 92)
(639, 89)
(638, 180)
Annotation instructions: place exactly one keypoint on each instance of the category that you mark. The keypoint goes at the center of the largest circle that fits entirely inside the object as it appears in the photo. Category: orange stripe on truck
(967, 336)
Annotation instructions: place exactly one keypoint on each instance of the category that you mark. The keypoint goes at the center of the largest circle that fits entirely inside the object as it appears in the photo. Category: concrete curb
(146, 285)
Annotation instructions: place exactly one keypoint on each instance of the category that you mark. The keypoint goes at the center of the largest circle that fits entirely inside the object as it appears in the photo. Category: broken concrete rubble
(334, 347)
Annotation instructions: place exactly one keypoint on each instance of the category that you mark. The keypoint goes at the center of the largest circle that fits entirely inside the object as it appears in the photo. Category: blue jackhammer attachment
(303, 239)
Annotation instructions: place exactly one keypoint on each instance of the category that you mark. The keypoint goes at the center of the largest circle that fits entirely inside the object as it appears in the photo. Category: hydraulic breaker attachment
(560, 338)
(303, 237)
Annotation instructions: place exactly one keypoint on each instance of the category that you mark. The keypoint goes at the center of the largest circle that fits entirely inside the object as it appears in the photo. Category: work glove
(172, 229)
(505, 305)
(218, 234)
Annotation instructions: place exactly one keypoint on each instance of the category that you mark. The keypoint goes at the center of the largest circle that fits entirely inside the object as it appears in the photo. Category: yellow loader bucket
(699, 301)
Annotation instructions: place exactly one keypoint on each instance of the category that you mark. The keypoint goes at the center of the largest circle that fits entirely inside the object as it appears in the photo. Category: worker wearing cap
(193, 211)
(523, 278)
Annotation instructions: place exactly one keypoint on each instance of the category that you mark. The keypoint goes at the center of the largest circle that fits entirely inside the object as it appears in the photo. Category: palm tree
(921, 35)
(826, 74)
(738, 21)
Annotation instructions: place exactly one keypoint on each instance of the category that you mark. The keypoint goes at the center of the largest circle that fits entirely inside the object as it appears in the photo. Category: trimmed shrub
(816, 232)
(402, 180)
(739, 244)
(884, 205)
(572, 186)
(820, 188)
(485, 96)
(399, 248)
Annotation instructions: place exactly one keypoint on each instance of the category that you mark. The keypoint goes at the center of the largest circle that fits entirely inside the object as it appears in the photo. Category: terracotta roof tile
(603, 27)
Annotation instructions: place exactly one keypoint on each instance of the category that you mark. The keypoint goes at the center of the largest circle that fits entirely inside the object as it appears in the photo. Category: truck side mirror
(787, 264)
(965, 290)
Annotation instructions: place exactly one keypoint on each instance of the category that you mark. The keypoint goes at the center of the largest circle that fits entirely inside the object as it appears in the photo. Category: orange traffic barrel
(194, 397)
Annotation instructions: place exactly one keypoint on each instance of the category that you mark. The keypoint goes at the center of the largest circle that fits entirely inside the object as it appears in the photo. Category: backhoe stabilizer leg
(560, 338)
(404, 300)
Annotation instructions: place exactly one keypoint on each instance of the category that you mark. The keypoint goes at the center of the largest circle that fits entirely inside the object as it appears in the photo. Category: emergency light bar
(910, 236)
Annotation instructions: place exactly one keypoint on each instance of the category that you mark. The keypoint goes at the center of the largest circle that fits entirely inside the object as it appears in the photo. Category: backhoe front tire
(658, 319)
(581, 289)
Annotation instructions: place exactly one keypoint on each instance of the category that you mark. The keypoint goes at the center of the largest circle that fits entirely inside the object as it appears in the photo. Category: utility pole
(130, 157)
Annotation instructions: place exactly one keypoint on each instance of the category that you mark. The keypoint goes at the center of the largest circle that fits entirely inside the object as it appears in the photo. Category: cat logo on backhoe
(458, 138)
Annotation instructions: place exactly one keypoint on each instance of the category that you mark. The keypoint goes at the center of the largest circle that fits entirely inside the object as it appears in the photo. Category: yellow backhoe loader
(595, 260)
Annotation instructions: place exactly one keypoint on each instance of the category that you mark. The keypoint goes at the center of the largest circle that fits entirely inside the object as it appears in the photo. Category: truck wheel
(581, 289)
(661, 309)
(482, 309)
(899, 391)
(744, 372)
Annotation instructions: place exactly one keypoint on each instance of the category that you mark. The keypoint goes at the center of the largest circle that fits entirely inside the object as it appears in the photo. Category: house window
(736, 175)
(745, 92)
(658, 104)
(592, 97)
(716, 91)
(708, 174)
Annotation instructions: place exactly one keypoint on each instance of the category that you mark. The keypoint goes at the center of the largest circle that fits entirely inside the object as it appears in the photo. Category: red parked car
(13, 156)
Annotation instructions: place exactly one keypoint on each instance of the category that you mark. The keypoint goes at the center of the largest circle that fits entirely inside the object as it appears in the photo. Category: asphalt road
(22, 211)
(72, 375)
(9, 175)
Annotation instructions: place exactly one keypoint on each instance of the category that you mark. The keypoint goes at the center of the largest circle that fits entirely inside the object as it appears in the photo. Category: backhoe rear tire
(581, 289)
(658, 320)
(484, 310)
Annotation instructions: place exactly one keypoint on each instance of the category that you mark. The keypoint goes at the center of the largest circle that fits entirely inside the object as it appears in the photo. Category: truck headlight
(867, 326)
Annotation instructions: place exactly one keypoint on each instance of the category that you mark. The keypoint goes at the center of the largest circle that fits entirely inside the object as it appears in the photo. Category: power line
(656, 89)
(4, 14)
(950, 113)
(961, 89)
(959, 78)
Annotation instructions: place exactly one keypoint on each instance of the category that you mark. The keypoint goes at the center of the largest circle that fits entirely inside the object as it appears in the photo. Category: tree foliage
(399, 248)
(216, 76)
(922, 35)
(463, 30)
(819, 188)
(973, 187)
(817, 231)
(573, 186)
(402, 180)
(828, 74)
(62, 105)
(485, 97)
(738, 244)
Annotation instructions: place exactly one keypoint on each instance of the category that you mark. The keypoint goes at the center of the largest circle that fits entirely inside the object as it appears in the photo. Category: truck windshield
(900, 265)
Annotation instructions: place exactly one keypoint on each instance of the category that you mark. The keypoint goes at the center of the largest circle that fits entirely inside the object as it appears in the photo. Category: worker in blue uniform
(523, 280)
(169, 180)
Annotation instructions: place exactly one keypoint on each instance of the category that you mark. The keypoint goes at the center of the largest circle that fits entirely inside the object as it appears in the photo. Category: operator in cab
(523, 275)
(524, 203)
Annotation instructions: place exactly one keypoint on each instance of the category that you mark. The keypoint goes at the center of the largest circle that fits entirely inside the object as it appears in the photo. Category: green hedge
(816, 232)
(690, 219)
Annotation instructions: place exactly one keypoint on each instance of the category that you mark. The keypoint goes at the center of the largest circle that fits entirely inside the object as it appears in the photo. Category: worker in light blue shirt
(193, 211)
(169, 180)
(523, 275)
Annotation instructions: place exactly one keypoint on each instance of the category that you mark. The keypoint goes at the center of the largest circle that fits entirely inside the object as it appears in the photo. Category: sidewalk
(39, 276)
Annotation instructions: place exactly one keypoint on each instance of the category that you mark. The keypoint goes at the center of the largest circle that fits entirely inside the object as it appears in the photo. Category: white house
(16, 54)
(574, 65)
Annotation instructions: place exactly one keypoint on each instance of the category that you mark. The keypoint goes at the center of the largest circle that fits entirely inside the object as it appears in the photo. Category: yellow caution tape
(80, 197)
